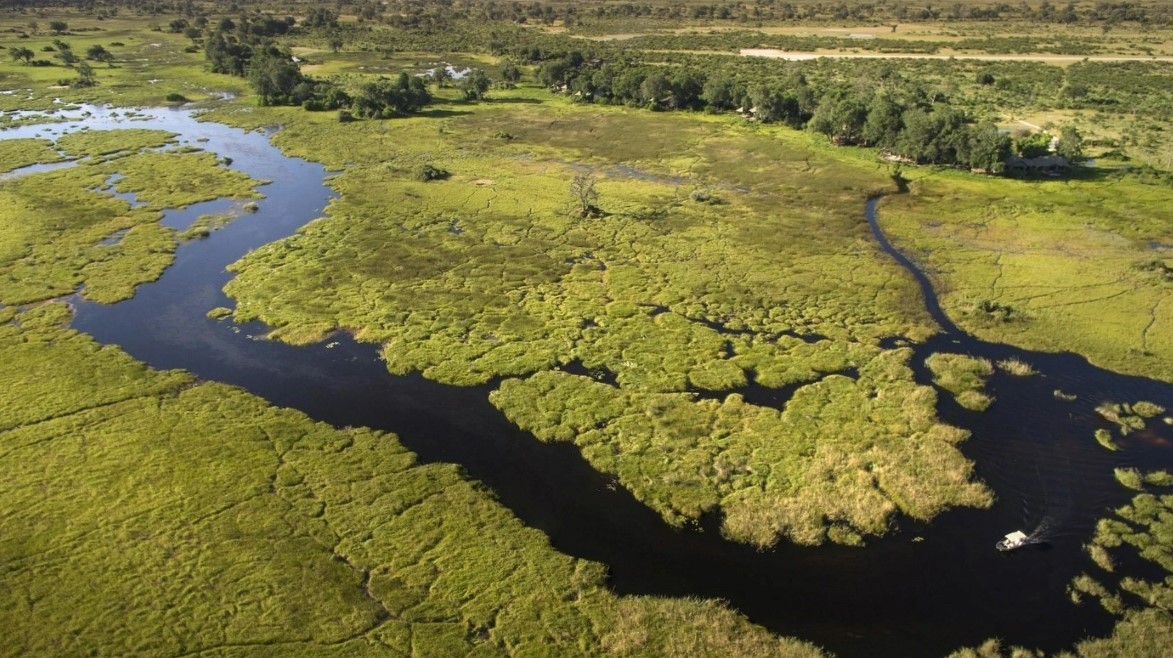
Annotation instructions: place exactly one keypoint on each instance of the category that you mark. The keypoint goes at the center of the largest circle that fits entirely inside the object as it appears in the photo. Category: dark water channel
(921, 591)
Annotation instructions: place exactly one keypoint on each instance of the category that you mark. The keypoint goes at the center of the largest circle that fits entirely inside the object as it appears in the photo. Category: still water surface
(923, 590)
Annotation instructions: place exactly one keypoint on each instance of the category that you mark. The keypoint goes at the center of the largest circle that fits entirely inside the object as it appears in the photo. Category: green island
(637, 240)
(963, 376)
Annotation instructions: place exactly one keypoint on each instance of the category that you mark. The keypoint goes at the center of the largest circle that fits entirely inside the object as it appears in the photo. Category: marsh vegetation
(587, 226)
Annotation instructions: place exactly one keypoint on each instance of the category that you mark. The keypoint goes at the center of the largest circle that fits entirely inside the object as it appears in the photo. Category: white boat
(1016, 539)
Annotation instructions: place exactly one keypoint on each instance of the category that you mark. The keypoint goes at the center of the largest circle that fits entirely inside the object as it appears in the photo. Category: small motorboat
(1012, 541)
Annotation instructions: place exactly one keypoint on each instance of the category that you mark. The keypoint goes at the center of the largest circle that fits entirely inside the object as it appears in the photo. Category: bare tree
(582, 188)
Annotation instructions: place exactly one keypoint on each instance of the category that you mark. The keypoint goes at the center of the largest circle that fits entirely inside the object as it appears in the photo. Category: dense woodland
(904, 118)
(416, 12)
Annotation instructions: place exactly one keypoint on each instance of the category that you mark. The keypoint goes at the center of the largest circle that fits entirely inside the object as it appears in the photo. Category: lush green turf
(96, 143)
(1053, 265)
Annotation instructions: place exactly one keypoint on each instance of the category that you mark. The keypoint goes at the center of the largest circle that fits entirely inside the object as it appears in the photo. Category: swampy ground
(146, 512)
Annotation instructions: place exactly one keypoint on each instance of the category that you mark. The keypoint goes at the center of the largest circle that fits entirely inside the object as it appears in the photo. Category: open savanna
(1079, 265)
(147, 65)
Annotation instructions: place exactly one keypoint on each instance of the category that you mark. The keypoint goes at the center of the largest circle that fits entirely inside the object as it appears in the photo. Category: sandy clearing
(776, 53)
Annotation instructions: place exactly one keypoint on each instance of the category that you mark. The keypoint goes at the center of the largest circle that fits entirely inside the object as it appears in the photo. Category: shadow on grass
(514, 101)
(442, 113)
(1076, 173)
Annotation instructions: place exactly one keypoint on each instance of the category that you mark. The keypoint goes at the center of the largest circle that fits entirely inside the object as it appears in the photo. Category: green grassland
(16, 153)
(151, 515)
(838, 462)
(60, 231)
(489, 274)
(190, 517)
(1079, 265)
(194, 518)
(147, 67)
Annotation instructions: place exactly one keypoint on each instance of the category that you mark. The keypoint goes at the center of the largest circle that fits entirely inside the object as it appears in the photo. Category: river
(922, 590)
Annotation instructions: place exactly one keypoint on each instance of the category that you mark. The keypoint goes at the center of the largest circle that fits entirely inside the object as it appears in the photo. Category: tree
(510, 73)
(22, 54)
(474, 85)
(99, 54)
(720, 93)
(226, 55)
(193, 33)
(178, 25)
(988, 148)
(654, 90)
(320, 17)
(85, 75)
(441, 76)
(385, 98)
(1033, 145)
(273, 74)
(884, 122)
(841, 116)
(1070, 144)
(58, 27)
(582, 189)
(65, 53)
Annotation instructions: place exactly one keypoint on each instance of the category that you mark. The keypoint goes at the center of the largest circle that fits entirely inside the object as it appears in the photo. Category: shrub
(428, 172)
(1016, 367)
(1146, 409)
(704, 196)
(344, 116)
(175, 98)
(1104, 437)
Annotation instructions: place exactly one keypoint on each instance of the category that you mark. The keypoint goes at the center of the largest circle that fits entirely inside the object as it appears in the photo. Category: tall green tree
(273, 75)
(841, 115)
(1070, 144)
(22, 54)
(884, 121)
(98, 53)
(720, 92)
(988, 148)
(474, 85)
(85, 75)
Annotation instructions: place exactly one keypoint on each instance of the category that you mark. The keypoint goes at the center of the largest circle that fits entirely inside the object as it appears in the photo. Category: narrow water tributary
(923, 590)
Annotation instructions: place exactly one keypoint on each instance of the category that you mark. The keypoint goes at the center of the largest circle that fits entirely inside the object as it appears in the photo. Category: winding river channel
(922, 590)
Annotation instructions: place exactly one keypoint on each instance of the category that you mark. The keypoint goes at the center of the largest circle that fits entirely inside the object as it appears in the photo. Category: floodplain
(714, 330)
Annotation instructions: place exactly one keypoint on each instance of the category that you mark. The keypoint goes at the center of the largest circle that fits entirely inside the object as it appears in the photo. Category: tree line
(902, 118)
